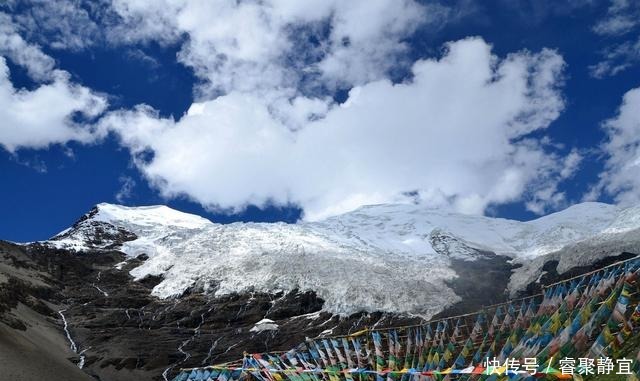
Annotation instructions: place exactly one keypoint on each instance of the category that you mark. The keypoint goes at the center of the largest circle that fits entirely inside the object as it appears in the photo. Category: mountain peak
(148, 215)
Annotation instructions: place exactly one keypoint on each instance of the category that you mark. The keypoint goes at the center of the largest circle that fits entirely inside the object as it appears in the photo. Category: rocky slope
(144, 291)
(120, 331)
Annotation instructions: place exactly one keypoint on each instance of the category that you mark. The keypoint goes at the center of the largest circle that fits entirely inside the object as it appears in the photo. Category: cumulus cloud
(46, 115)
(621, 177)
(251, 45)
(258, 46)
(265, 128)
(456, 135)
(55, 111)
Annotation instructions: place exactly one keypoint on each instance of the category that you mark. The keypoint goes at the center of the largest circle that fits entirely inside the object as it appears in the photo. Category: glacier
(376, 258)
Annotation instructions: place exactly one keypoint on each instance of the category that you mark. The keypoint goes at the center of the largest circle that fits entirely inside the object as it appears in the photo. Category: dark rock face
(96, 234)
(447, 244)
(483, 282)
(122, 328)
(550, 272)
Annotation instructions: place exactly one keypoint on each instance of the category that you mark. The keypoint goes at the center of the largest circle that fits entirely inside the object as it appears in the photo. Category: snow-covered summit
(381, 257)
(155, 215)
(404, 227)
(112, 226)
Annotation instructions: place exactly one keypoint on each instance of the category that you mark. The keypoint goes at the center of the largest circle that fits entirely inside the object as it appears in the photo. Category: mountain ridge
(401, 245)
(142, 296)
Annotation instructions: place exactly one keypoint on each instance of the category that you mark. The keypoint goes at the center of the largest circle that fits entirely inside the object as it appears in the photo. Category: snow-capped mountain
(204, 293)
(399, 258)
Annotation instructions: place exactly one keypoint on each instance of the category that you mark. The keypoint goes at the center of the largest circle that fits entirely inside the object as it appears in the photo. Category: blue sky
(279, 112)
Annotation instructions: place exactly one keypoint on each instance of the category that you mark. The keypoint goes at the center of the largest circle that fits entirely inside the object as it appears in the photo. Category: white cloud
(126, 189)
(38, 64)
(61, 24)
(615, 25)
(620, 25)
(358, 52)
(259, 46)
(51, 113)
(571, 163)
(617, 58)
(250, 44)
(622, 17)
(455, 135)
(621, 176)
(546, 196)
(45, 115)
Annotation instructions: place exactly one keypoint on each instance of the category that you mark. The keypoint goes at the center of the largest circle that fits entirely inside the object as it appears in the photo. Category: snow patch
(264, 325)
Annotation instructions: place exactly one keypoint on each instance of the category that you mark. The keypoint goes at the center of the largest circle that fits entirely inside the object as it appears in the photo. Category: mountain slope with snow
(381, 257)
